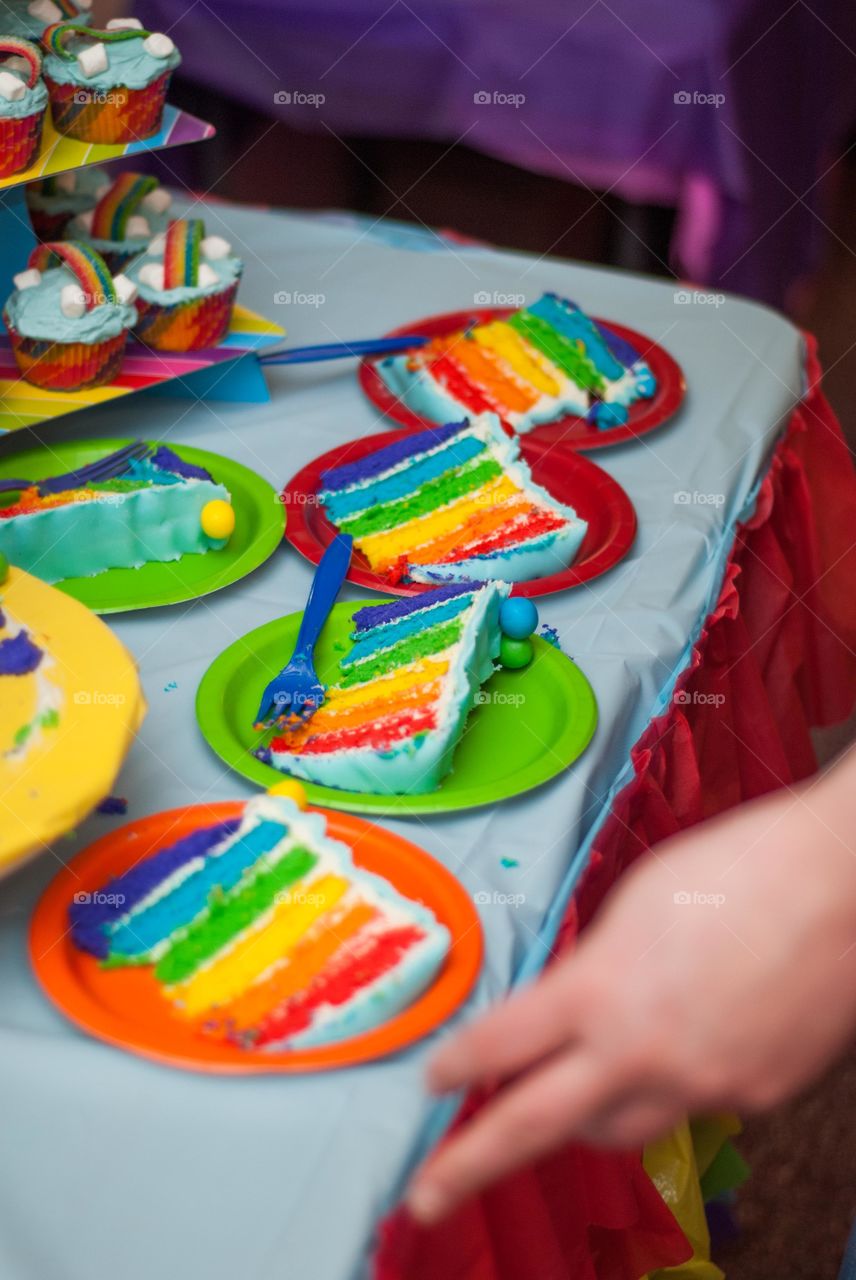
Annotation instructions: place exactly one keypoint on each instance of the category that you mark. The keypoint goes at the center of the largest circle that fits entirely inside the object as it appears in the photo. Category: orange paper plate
(126, 1008)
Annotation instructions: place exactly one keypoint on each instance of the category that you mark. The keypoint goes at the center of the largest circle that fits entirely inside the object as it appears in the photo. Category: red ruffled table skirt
(777, 655)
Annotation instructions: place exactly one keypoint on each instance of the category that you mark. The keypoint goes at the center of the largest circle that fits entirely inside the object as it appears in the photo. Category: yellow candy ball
(292, 790)
(217, 519)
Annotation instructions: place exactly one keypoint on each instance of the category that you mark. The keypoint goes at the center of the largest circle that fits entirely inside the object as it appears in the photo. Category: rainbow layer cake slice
(392, 720)
(262, 932)
(155, 511)
(450, 504)
(538, 364)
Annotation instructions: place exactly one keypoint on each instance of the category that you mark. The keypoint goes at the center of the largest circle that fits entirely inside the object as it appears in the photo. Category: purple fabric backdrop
(772, 94)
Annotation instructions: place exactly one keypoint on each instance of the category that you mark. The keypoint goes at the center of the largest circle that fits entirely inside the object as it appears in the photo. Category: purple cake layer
(376, 615)
(88, 919)
(19, 655)
(375, 463)
(169, 461)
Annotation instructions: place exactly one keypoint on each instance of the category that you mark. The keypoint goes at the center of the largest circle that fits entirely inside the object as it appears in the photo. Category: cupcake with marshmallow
(23, 100)
(52, 202)
(68, 318)
(29, 18)
(108, 85)
(187, 284)
(132, 210)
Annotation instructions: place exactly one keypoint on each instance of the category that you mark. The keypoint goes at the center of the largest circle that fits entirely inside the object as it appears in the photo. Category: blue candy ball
(518, 617)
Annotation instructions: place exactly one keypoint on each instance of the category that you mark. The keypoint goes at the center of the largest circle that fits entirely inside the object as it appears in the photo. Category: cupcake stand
(218, 373)
(694, 644)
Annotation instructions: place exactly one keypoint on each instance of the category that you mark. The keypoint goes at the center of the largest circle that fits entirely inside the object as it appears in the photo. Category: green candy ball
(515, 654)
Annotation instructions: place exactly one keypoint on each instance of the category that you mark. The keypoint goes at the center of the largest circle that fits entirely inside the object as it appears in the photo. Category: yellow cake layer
(402, 680)
(259, 949)
(517, 353)
(384, 548)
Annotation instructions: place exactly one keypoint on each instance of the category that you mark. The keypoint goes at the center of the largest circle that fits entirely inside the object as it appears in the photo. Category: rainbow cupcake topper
(14, 45)
(89, 268)
(68, 7)
(54, 37)
(110, 215)
(182, 252)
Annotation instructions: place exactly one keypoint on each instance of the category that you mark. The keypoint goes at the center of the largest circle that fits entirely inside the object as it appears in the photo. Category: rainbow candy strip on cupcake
(68, 317)
(129, 212)
(23, 101)
(108, 85)
(262, 932)
(187, 284)
(533, 366)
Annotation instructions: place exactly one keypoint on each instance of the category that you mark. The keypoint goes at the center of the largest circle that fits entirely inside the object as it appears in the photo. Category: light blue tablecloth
(113, 1167)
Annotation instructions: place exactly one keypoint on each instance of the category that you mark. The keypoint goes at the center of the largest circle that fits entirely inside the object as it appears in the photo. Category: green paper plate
(529, 727)
(259, 528)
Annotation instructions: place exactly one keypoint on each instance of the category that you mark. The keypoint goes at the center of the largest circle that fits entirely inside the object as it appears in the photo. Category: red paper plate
(125, 1006)
(571, 479)
(644, 416)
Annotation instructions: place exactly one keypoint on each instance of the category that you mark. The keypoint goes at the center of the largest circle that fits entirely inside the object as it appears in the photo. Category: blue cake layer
(398, 629)
(406, 481)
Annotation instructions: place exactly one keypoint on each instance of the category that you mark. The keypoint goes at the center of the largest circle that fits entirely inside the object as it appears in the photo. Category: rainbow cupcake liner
(113, 115)
(49, 226)
(186, 326)
(66, 366)
(19, 142)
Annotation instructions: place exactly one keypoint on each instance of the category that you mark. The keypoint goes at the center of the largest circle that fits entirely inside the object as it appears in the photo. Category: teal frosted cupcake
(30, 17)
(52, 202)
(132, 210)
(108, 85)
(187, 284)
(68, 318)
(23, 100)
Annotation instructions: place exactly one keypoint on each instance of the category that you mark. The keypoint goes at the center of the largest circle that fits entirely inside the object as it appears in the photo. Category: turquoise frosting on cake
(125, 528)
(34, 100)
(228, 271)
(36, 313)
(128, 64)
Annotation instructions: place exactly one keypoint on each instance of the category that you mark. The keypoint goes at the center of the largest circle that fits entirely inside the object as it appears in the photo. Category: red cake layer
(356, 966)
(537, 523)
(379, 734)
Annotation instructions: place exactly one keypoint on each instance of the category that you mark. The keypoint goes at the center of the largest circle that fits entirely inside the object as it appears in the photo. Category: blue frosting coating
(227, 270)
(605, 415)
(36, 313)
(48, 197)
(622, 350)
(19, 655)
(34, 100)
(91, 920)
(375, 615)
(390, 456)
(576, 326)
(128, 64)
(456, 453)
(400, 628)
(139, 935)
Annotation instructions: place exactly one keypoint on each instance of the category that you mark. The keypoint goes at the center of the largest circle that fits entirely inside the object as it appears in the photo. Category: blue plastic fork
(296, 693)
(342, 350)
(106, 468)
